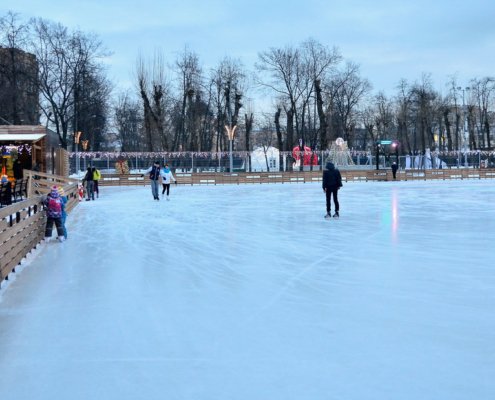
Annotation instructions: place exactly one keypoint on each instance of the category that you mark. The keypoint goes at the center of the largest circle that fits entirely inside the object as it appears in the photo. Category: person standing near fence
(167, 178)
(88, 178)
(53, 205)
(96, 178)
(395, 167)
(64, 199)
(18, 170)
(331, 183)
(154, 172)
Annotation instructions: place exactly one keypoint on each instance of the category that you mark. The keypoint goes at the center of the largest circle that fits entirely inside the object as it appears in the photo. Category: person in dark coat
(88, 178)
(395, 167)
(331, 183)
(18, 170)
(154, 172)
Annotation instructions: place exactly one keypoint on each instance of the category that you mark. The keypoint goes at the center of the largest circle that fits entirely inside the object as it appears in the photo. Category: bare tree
(350, 90)
(188, 122)
(229, 86)
(128, 122)
(154, 92)
(482, 91)
(64, 58)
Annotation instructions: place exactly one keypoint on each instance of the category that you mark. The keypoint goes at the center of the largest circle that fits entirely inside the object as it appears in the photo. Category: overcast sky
(389, 39)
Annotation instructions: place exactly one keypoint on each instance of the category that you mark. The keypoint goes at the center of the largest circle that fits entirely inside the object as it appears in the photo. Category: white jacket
(167, 177)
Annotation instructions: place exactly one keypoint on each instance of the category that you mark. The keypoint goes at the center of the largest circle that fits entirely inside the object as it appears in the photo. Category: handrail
(212, 178)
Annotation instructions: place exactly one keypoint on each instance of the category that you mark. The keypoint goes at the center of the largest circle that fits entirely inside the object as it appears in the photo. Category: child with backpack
(53, 205)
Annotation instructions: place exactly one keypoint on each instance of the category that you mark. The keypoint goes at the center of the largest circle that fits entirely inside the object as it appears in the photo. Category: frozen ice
(247, 292)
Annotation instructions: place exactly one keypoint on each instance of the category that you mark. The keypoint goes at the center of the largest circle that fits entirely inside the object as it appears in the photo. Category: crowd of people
(55, 202)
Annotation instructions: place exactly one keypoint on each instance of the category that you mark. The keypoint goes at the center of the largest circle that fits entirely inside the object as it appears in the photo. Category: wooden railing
(300, 177)
(22, 224)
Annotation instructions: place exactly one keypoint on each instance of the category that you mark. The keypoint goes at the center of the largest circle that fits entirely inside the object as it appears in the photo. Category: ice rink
(247, 292)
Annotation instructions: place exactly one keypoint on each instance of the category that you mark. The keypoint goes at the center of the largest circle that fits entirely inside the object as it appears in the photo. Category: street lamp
(77, 136)
(395, 146)
(230, 133)
(465, 122)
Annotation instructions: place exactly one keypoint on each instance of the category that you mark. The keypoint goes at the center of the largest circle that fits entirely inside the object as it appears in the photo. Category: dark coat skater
(395, 167)
(331, 183)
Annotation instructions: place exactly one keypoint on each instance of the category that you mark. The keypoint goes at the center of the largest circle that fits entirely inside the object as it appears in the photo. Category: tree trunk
(322, 117)
(290, 134)
(447, 127)
(279, 137)
(248, 120)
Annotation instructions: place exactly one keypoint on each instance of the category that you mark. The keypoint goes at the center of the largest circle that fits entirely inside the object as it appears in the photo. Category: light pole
(465, 124)
(230, 133)
(77, 135)
(85, 147)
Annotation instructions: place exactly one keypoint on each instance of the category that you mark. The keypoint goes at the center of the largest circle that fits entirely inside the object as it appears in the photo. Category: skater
(89, 184)
(154, 172)
(332, 182)
(394, 169)
(167, 178)
(53, 205)
(64, 199)
(96, 178)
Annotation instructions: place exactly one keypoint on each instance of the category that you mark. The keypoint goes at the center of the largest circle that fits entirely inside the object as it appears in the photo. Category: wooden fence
(22, 224)
(301, 177)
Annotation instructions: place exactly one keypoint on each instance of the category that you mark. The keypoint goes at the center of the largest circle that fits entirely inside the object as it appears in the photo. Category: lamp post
(378, 145)
(465, 121)
(84, 144)
(230, 133)
(395, 146)
(77, 136)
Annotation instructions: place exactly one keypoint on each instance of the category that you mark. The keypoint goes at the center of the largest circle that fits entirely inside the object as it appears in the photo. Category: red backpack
(55, 205)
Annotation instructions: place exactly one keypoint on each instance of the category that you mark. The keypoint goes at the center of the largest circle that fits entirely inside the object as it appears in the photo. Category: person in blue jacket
(167, 178)
(64, 199)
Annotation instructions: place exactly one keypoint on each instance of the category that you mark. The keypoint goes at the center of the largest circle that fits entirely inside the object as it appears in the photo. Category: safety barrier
(366, 175)
(22, 224)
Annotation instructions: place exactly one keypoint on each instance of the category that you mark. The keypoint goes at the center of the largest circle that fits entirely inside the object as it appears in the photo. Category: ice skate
(168, 199)
(61, 239)
(336, 215)
(327, 215)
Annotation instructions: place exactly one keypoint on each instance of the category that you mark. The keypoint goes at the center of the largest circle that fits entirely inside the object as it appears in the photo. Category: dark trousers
(328, 193)
(166, 187)
(49, 226)
(90, 186)
(95, 188)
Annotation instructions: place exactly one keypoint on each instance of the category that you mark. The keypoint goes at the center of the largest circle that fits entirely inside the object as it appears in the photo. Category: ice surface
(247, 292)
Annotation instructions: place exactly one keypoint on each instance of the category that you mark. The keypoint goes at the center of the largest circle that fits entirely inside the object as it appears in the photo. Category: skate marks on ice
(238, 291)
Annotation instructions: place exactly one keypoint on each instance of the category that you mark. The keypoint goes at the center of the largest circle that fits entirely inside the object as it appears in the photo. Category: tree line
(309, 95)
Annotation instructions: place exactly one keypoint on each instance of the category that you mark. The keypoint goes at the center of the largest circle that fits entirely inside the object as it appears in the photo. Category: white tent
(263, 158)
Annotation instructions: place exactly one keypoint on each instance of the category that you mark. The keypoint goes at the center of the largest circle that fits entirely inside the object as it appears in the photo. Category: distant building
(19, 94)
(265, 159)
(34, 145)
